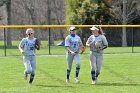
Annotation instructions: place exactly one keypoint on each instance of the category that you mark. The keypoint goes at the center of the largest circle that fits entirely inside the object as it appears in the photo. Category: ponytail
(100, 30)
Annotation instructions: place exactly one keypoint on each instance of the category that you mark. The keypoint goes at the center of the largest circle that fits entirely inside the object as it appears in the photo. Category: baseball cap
(94, 28)
(72, 28)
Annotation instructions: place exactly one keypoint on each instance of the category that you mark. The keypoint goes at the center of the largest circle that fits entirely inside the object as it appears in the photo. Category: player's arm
(21, 50)
(90, 41)
(69, 50)
(67, 45)
(105, 43)
(21, 46)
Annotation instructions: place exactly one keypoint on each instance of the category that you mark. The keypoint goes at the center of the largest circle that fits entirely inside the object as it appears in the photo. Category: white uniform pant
(30, 64)
(96, 61)
(70, 59)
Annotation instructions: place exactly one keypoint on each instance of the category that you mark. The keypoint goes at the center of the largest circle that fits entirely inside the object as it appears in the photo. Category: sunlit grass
(60, 50)
(119, 74)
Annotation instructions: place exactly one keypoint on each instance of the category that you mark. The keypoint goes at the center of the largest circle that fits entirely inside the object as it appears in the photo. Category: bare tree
(9, 33)
(8, 9)
(34, 12)
(30, 8)
(59, 15)
(125, 11)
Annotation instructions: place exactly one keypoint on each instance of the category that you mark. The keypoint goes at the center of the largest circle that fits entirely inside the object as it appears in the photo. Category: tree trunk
(9, 33)
(50, 38)
(124, 37)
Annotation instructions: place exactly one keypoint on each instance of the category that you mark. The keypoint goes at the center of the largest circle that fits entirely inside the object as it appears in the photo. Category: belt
(74, 52)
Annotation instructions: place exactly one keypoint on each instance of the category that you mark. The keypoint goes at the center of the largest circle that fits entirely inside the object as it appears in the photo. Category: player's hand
(89, 44)
(73, 53)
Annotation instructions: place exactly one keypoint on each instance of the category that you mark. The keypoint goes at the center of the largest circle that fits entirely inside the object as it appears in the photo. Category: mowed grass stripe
(120, 73)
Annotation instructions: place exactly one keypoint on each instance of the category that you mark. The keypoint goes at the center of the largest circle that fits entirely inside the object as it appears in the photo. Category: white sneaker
(30, 84)
(67, 81)
(77, 80)
(93, 82)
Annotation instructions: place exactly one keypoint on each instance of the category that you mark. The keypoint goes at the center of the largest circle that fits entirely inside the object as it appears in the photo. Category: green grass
(120, 74)
(120, 71)
(59, 50)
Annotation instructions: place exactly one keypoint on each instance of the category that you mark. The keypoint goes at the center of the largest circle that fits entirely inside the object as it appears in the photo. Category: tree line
(105, 12)
(77, 12)
(32, 12)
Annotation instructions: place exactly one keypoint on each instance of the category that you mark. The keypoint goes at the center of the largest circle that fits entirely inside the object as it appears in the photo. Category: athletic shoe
(30, 84)
(93, 82)
(77, 80)
(25, 76)
(67, 81)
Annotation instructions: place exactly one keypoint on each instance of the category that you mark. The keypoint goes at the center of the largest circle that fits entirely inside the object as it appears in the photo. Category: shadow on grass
(53, 86)
(116, 84)
(9, 47)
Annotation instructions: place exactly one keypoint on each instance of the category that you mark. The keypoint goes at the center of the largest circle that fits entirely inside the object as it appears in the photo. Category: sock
(77, 72)
(31, 78)
(68, 73)
(93, 75)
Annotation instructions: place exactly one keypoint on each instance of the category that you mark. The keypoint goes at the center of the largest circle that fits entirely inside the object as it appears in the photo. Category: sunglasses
(73, 30)
(30, 33)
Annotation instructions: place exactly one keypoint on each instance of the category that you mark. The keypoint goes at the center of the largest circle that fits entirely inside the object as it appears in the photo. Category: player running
(27, 48)
(73, 43)
(97, 43)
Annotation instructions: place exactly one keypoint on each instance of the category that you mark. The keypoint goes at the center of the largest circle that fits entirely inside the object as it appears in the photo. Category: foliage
(87, 12)
(104, 12)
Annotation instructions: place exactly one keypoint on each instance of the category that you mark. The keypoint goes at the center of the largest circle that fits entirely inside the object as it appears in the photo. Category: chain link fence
(53, 39)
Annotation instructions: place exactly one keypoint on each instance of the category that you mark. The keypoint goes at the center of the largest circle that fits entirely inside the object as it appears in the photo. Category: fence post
(49, 41)
(4, 41)
(132, 41)
(49, 22)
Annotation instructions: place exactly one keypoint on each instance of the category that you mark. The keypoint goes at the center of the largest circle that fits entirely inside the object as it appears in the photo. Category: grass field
(120, 72)
(60, 50)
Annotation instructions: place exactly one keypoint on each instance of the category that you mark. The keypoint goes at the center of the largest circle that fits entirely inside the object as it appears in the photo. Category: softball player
(27, 48)
(72, 44)
(96, 52)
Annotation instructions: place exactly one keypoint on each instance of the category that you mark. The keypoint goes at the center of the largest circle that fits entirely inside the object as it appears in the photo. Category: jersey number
(74, 46)
(31, 48)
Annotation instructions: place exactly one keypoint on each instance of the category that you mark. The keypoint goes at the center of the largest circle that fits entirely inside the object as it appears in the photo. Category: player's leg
(33, 65)
(28, 69)
(99, 65)
(69, 58)
(93, 67)
(77, 60)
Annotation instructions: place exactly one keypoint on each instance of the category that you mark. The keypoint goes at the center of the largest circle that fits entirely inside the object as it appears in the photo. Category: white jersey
(28, 46)
(73, 43)
(98, 38)
(91, 38)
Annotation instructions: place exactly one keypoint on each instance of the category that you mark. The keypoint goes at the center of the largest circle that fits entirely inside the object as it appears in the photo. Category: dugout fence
(52, 38)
